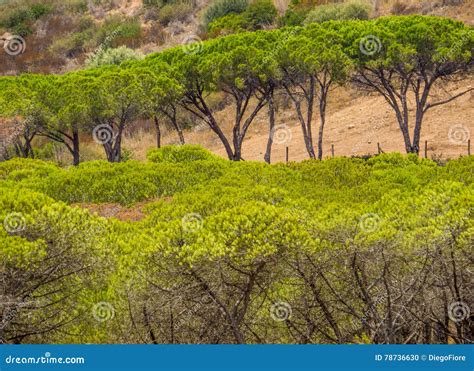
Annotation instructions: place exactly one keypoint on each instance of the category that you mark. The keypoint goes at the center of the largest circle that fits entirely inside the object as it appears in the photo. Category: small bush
(19, 20)
(113, 56)
(179, 11)
(222, 8)
(185, 153)
(231, 23)
(293, 17)
(260, 13)
(117, 31)
(345, 11)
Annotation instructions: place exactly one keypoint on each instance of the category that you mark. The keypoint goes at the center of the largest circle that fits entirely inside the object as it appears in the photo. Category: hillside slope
(355, 124)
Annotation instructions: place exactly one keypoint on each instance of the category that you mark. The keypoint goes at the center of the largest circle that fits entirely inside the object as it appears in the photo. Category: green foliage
(223, 221)
(184, 153)
(116, 30)
(20, 18)
(293, 17)
(339, 11)
(176, 11)
(260, 13)
(228, 24)
(221, 8)
(113, 56)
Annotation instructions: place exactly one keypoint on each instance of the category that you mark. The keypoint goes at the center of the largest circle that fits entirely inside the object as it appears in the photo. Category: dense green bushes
(311, 237)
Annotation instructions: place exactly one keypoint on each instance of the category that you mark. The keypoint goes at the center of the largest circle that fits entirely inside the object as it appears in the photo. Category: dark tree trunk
(76, 159)
(158, 132)
(322, 115)
(271, 119)
(241, 125)
(24, 148)
(113, 148)
(306, 123)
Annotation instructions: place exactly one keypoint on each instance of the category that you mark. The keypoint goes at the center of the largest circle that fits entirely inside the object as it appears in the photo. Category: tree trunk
(271, 118)
(158, 132)
(415, 147)
(75, 148)
(180, 132)
(305, 124)
(113, 149)
(322, 115)
(237, 153)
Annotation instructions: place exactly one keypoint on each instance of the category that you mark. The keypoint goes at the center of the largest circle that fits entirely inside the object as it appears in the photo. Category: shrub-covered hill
(335, 251)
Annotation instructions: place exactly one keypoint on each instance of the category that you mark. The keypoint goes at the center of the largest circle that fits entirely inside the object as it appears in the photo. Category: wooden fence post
(468, 147)
(287, 154)
(332, 150)
(379, 150)
(426, 149)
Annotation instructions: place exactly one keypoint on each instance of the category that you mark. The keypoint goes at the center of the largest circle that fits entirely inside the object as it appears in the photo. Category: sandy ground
(355, 124)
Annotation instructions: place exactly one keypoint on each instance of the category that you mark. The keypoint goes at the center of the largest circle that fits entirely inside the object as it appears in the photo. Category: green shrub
(184, 153)
(117, 31)
(260, 13)
(113, 56)
(178, 11)
(221, 8)
(340, 11)
(293, 17)
(231, 23)
(19, 20)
